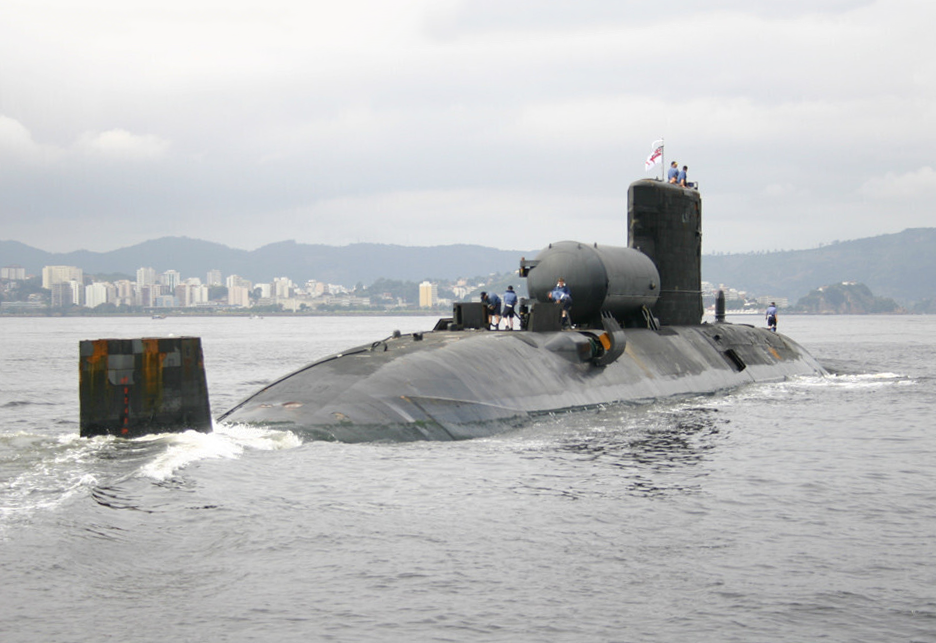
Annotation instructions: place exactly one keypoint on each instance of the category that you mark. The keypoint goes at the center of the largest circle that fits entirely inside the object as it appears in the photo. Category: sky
(504, 123)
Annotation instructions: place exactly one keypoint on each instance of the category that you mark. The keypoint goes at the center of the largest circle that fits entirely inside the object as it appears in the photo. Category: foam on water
(46, 472)
(226, 441)
(49, 471)
(854, 380)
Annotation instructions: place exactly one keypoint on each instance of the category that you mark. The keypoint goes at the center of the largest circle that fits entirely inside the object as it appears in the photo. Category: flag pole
(662, 157)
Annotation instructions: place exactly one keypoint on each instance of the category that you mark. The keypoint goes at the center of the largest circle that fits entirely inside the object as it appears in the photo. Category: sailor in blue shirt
(510, 300)
(493, 305)
(561, 295)
(772, 317)
(673, 173)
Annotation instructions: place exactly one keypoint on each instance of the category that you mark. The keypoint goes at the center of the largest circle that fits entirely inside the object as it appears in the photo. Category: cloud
(122, 145)
(777, 190)
(910, 185)
(439, 121)
(514, 219)
(17, 144)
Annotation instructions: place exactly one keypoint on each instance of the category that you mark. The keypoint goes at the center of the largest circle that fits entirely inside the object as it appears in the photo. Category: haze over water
(796, 511)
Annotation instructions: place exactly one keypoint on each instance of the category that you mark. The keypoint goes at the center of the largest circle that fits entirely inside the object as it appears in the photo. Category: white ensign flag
(656, 155)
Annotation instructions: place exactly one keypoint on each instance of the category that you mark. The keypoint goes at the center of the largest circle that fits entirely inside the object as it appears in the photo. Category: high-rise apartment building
(13, 273)
(61, 294)
(197, 294)
(238, 282)
(146, 295)
(238, 296)
(282, 287)
(214, 278)
(98, 293)
(52, 275)
(146, 277)
(171, 279)
(124, 292)
(428, 294)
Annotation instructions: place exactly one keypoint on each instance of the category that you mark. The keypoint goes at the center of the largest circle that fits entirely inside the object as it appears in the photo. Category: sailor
(561, 295)
(492, 303)
(673, 173)
(510, 300)
(772, 317)
(682, 176)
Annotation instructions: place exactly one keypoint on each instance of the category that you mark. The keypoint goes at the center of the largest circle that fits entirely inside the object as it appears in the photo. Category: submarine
(634, 334)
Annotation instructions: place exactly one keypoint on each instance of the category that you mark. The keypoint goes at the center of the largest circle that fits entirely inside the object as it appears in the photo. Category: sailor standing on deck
(510, 300)
(772, 317)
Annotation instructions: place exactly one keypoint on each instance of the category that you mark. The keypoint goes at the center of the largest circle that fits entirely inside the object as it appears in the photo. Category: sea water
(796, 511)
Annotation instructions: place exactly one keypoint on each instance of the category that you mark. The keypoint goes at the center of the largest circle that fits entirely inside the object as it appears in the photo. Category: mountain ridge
(347, 265)
(898, 265)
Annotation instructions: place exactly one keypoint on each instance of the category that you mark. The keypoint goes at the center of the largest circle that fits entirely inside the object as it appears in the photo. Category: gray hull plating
(446, 385)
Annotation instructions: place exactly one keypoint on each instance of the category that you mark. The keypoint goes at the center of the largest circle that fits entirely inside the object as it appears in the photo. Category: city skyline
(69, 286)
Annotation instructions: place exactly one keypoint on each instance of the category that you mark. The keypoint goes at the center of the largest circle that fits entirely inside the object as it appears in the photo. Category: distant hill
(347, 265)
(845, 299)
(900, 266)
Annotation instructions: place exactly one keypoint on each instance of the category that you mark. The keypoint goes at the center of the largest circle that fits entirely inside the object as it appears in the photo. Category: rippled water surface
(799, 511)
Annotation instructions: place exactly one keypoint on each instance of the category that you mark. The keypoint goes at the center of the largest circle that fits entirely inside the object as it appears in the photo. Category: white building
(198, 295)
(283, 287)
(125, 292)
(214, 278)
(171, 279)
(78, 292)
(146, 277)
(100, 292)
(189, 295)
(428, 294)
(13, 273)
(315, 288)
(238, 296)
(52, 275)
(238, 282)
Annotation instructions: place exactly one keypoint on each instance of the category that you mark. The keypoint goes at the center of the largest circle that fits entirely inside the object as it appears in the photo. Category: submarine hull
(638, 338)
(453, 385)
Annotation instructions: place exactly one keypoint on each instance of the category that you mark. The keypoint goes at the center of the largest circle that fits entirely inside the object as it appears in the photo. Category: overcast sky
(506, 123)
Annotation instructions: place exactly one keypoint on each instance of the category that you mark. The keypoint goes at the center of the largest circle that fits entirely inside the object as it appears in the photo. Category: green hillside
(900, 266)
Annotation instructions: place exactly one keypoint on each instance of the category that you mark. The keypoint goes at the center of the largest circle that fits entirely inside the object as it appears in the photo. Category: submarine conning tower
(657, 279)
(664, 221)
